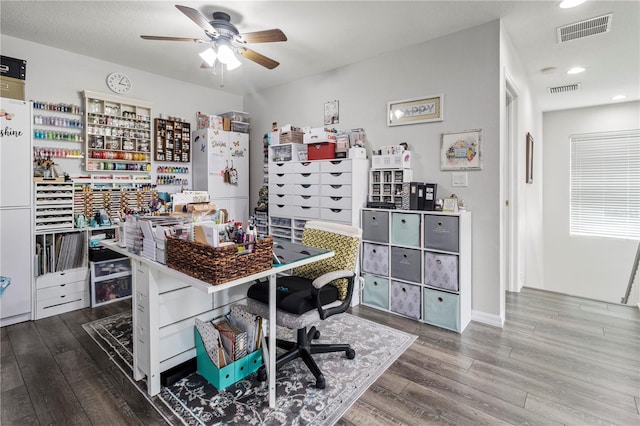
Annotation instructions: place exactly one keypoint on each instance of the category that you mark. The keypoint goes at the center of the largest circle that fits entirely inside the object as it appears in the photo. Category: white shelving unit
(386, 185)
(53, 205)
(418, 264)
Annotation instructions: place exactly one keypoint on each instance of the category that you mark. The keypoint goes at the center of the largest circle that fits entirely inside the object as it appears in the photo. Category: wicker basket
(217, 265)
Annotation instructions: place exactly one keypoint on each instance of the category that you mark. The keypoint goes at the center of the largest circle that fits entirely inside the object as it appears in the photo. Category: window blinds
(605, 184)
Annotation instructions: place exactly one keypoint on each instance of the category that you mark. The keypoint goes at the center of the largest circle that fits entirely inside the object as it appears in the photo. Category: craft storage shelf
(116, 194)
(118, 134)
(330, 190)
(58, 130)
(173, 141)
(53, 207)
(110, 281)
(418, 264)
(386, 185)
(60, 272)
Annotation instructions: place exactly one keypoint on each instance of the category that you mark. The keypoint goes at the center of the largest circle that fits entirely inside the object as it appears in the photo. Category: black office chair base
(303, 349)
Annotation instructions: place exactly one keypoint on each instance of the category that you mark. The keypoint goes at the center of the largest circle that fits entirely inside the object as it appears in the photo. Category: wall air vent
(586, 28)
(564, 89)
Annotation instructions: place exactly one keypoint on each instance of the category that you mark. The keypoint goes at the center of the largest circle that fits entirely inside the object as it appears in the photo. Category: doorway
(509, 252)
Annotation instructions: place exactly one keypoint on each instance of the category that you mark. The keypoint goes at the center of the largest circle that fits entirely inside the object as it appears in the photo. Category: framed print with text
(414, 111)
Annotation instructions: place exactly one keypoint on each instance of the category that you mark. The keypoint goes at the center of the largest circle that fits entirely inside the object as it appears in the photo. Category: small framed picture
(450, 205)
(529, 147)
(461, 150)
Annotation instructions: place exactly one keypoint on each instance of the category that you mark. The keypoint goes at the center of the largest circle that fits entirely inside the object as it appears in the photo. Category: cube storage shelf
(418, 264)
(386, 185)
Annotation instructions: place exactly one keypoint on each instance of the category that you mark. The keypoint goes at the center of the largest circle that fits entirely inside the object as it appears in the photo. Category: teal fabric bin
(442, 309)
(223, 377)
(405, 229)
(376, 291)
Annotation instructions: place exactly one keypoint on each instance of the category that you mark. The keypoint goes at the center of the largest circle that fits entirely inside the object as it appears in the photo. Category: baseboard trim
(486, 318)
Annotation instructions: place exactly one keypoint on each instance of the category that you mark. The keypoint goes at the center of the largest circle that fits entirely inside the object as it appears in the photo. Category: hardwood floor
(558, 360)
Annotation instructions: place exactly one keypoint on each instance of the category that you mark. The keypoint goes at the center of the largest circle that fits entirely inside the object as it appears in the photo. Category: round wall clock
(119, 82)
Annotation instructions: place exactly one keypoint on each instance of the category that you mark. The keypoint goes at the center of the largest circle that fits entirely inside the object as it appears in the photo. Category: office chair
(312, 293)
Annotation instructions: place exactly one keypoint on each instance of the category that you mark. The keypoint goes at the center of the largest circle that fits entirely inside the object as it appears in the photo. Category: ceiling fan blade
(198, 18)
(258, 58)
(266, 36)
(163, 38)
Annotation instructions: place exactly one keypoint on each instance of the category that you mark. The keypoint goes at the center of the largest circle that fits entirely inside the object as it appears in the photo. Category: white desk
(165, 304)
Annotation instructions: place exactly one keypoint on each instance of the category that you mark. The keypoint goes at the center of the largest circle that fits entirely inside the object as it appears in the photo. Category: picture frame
(416, 110)
(461, 150)
(450, 205)
(331, 112)
(529, 168)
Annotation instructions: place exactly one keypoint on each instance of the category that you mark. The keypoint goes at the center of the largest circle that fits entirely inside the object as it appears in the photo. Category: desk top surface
(293, 254)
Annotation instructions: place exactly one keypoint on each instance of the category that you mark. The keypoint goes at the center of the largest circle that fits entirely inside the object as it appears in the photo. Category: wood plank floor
(558, 360)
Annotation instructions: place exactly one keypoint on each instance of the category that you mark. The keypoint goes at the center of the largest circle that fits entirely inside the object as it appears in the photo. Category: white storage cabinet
(328, 190)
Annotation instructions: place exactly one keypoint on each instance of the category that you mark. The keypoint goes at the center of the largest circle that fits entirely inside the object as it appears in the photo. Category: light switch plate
(459, 179)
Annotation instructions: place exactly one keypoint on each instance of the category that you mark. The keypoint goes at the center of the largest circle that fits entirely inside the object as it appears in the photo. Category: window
(605, 185)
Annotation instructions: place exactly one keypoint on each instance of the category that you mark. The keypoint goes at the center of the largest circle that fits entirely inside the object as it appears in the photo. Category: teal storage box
(376, 291)
(223, 377)
(405, 229)
(442, 309)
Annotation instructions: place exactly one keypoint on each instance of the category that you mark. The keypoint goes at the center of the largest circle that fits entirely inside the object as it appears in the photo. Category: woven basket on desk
(217, 265)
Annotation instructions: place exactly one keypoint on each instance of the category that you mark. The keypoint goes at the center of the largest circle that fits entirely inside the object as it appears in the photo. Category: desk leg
(153, 378)
(272, 341)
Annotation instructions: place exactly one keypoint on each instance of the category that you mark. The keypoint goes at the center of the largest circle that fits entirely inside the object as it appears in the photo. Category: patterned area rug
(193, 401)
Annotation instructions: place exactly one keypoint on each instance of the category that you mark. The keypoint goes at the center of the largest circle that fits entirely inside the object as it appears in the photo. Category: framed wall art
(331, 113)
(461, 150)
(529, 178)
(416, 110)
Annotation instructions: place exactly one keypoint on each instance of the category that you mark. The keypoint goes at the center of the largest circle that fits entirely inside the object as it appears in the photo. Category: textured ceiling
(329, 34)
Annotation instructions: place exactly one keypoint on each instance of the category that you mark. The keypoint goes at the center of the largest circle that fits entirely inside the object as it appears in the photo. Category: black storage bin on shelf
(97, 254)
(12, 67)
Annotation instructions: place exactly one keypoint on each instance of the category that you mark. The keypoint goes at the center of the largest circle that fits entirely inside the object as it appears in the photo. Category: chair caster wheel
(262, 374)
(320, 383)
(316, 335)
(350, 353)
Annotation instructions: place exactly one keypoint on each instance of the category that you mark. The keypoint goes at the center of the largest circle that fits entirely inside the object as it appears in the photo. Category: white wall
(465, 67)
(59, 76)
(525, 199)
(597, 268)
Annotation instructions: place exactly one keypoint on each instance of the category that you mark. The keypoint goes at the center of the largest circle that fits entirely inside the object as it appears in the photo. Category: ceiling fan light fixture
(233, 64)
(209, 56)
(225, 54)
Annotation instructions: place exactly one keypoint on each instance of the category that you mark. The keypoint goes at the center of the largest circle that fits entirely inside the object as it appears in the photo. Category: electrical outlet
(459, 179)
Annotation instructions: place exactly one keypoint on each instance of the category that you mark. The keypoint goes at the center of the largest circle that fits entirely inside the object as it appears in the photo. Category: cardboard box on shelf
(319, 134)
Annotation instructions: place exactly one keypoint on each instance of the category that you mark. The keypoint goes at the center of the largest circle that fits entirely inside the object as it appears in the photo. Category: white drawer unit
(110, 281)
(61, 273)
(425, 257)
(329, 190)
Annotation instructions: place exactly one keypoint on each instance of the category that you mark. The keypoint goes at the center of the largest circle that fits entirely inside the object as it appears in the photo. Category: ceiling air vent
(564, 89)
(587, 28)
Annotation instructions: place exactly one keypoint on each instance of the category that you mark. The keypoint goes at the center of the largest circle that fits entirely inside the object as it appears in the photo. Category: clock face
(119, 82)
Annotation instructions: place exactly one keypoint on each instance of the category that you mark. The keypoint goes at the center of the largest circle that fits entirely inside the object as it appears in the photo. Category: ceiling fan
(226, 39)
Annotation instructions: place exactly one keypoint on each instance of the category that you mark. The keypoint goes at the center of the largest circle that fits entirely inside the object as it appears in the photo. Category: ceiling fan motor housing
(222, 23)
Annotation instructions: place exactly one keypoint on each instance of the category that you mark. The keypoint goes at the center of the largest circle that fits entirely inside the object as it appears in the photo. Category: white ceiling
(324, 35)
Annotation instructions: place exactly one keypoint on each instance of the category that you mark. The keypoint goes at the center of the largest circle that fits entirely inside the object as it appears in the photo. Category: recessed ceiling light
(566, 4)
(618, 97)
(576, 70)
